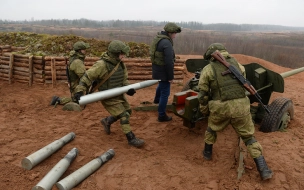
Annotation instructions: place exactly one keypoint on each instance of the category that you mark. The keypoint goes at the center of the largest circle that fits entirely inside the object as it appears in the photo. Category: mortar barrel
(56, 172)
(38, 156)
(292, 72)
(85, 171)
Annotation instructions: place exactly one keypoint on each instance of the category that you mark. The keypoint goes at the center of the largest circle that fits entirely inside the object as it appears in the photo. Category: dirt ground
(171, 157)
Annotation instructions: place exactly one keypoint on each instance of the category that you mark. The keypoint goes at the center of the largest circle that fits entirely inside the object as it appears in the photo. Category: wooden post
(10, 72)
(53, 71)
(30, 70)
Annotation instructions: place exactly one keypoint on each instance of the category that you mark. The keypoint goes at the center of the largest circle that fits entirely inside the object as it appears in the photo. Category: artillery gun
(185, 103)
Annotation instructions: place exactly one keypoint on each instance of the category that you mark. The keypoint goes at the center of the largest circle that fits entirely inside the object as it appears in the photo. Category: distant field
(282, 48)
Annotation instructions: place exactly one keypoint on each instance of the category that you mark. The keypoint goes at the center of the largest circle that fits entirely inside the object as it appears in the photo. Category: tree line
(133, 23)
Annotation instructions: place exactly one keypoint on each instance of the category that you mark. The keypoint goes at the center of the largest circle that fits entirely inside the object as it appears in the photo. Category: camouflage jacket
(229, 108)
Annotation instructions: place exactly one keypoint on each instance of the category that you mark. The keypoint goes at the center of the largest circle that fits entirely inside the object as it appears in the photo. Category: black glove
(131, 92)
(77, 96)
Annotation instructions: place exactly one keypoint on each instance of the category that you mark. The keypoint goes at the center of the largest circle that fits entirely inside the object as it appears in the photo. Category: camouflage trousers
(120, 109)
(243, 126)
(65, 100)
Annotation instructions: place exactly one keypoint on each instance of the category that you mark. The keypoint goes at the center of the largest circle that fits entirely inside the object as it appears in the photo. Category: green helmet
(80, 45)
(212, 48)
(117, 46)
(172, 28)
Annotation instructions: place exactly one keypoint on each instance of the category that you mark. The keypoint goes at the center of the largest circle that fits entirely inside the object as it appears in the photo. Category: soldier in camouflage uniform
(118, 106)
(224, 100)
(76, 69)
(163, 57)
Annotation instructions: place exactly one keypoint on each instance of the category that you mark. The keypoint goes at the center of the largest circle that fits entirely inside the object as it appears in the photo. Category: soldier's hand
(77, 96)
(131, 92)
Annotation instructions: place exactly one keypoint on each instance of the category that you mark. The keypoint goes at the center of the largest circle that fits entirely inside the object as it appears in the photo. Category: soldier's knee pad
(250, 141)
(124, 118)
(211, 131)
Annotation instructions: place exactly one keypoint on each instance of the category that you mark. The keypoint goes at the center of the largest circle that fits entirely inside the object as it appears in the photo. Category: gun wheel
(281, 112)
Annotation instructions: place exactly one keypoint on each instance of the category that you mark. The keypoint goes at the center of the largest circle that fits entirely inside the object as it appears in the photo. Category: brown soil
(171, 158)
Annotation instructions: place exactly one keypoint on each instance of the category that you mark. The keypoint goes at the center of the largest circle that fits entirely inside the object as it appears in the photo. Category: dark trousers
(161, 96)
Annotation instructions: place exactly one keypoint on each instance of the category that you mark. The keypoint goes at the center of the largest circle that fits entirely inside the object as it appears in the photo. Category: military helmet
(172, 28)
(212, 48)
(117, 46)
(80, 45)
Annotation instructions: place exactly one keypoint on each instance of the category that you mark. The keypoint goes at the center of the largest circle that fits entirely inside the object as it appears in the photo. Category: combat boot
(207, 152)
(55, 99)
(262, 167)
(164, 118)
(132, 140)
(106, 122)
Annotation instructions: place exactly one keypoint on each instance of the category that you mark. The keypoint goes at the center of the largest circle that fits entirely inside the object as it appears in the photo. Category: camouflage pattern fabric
(172, 28)
(212, 48)
(117, 46)
(222, 113)
(71, 106)
(76, 68)
(80, 45)
(65, 100)
(118, 107)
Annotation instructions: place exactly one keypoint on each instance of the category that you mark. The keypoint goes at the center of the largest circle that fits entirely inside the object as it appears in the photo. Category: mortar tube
(56, 172)
(82, 173)
(38, 156)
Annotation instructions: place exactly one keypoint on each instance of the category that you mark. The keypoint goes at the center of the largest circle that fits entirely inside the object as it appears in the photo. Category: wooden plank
(53, 71)
(39, 67)
(4, 58)
(21, 80)
(4, 66)
(49, 58)
(38, 76)
(21, 69)
(38, 61)
(21, 60)
(11, 63)
(60, 72)
(21, 64)
(57, 77)
(37, 71)
(30, 65)
(20, 56)
(26, 78)
(20, 73)
(3, 78)
(4, 75)
(57, 67)
(6, 71)
(38, 80)
(3, 62)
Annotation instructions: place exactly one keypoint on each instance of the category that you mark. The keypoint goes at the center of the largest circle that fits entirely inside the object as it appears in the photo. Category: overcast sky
(275, 12)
